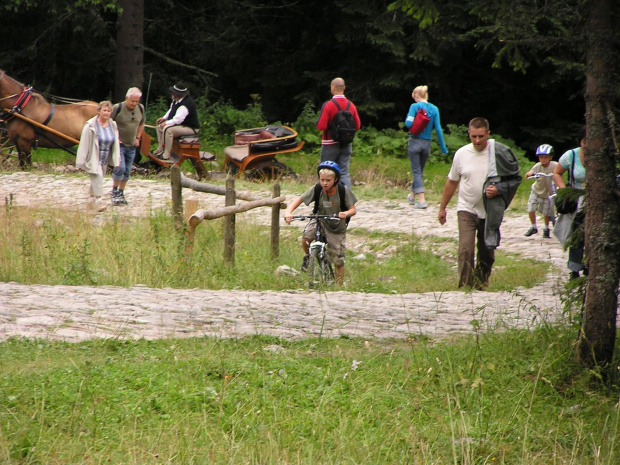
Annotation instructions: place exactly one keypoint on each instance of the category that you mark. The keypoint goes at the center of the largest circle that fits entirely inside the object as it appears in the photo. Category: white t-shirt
(470, 169)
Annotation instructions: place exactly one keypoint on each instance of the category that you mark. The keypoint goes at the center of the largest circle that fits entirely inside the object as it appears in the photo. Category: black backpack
(342, 127)
(341, 194)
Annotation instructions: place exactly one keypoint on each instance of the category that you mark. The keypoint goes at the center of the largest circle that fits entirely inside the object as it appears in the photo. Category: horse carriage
(27, 120)
(255, 150)
(254, 153)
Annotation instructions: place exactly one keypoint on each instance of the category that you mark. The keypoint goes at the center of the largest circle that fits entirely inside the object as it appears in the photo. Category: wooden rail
(178, 182)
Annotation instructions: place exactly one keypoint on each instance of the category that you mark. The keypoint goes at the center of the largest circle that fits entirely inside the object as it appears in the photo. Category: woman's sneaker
(531, 231)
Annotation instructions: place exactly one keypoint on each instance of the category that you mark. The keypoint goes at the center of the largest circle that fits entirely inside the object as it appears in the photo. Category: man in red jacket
(332, 150)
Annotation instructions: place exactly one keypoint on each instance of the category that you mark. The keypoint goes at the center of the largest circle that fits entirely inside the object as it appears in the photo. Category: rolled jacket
(505, 176)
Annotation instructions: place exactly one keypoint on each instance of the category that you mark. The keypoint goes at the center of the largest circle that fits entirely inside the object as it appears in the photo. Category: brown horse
(68, 120)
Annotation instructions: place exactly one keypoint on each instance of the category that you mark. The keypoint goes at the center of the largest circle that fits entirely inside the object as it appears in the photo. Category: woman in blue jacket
(419, 146)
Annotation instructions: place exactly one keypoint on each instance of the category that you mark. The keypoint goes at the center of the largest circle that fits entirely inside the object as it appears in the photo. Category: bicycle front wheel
(320, 271)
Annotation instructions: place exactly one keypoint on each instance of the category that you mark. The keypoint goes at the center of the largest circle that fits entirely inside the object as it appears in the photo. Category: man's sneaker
(546, 233)
(420, 205)
(531, 231)
(411, 199)
(304, 264)
(116, 200)
(122, 199)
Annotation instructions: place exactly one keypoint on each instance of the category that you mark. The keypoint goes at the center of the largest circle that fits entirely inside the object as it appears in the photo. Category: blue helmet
(544, 149)
(330, 165)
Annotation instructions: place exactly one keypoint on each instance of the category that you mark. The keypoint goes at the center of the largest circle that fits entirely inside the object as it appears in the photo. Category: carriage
(255, 150)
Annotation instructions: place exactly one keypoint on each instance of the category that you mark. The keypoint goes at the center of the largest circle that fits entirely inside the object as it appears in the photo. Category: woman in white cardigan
(99, 147)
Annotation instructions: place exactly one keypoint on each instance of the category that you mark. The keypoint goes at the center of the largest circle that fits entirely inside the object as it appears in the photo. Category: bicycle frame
(320, 271)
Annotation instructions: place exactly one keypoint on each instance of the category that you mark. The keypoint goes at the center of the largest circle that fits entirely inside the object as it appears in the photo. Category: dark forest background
(521, 67)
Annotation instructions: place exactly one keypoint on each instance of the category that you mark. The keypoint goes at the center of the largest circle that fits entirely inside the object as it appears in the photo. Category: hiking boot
(420, 205)
(531, 231)
(546, 233)
(411, 199)
(304, 264)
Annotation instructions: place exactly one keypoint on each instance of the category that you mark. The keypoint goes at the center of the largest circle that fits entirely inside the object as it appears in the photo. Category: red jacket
(328, 111)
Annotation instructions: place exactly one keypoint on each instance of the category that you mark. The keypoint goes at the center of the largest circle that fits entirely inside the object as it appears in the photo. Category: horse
(18, 100)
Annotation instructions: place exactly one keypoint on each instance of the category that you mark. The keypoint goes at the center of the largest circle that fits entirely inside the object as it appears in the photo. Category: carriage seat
(190, 139)
(237, 152)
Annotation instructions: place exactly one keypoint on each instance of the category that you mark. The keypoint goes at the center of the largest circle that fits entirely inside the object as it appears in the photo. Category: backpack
(342, 127)
(116, 109)
(341, 194)
(420, 122)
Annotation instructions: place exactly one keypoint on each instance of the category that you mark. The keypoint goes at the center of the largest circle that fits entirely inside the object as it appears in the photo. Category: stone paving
(74, 313)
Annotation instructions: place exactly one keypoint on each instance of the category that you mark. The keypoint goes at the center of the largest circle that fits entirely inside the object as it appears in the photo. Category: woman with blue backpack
(422, 118)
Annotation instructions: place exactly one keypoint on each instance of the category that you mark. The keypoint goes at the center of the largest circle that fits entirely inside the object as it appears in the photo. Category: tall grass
(63, 247)
(266, 400)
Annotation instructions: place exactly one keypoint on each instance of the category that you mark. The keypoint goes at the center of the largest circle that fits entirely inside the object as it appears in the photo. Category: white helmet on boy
(544, 149)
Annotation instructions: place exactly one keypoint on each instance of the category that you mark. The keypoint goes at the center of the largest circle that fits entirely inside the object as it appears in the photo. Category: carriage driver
(181, 119)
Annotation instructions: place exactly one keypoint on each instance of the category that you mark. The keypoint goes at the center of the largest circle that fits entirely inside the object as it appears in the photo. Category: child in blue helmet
(542, 189)
(333, 198)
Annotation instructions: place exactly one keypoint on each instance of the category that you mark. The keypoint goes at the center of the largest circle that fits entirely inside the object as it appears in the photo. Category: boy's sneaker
(531, 231)
(304, 264)
(546, 233)
(122, 199)
(411, 199)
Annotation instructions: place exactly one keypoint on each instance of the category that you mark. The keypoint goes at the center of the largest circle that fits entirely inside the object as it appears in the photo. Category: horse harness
(21, 103)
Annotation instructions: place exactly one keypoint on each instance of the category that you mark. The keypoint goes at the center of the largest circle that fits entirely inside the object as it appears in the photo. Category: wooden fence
(230, 209)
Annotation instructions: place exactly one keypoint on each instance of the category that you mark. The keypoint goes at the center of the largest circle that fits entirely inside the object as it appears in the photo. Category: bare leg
(339, 274)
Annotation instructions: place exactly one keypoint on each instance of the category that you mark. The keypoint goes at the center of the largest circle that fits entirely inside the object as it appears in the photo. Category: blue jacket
(435, 123)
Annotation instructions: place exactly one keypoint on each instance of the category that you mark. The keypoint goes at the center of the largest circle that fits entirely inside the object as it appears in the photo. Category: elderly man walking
(130, 118)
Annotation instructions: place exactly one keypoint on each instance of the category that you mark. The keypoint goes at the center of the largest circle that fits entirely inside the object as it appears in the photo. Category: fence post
(275, 224)
(177, 196)
(229, 223)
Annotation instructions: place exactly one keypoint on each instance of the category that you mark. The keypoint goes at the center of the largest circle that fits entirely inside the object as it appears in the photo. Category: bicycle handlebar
(310, 217)
(541, 175)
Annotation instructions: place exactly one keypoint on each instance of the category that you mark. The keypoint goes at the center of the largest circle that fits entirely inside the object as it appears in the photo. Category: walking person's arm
(448, 191)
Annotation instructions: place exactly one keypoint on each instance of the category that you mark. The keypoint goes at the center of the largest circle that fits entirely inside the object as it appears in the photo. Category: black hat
(179, 89)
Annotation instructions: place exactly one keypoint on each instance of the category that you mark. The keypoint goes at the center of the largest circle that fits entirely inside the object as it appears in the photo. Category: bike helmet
(330, 165)
(544, 149)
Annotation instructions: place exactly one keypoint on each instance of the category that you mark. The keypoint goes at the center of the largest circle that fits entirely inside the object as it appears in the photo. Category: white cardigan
(88, 151)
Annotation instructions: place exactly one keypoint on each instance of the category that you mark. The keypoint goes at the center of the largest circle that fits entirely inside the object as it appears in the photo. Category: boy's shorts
(336, 243)
(544, 206)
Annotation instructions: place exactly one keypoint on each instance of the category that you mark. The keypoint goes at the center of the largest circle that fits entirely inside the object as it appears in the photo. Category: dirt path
(75, 313)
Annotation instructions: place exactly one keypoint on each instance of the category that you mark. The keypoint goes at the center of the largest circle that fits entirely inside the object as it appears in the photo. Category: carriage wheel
(199, 166)
(7, 147)
(272, 170)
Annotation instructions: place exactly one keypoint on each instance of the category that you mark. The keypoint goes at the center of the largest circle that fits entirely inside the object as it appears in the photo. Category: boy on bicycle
(542, 189)
(329, 202)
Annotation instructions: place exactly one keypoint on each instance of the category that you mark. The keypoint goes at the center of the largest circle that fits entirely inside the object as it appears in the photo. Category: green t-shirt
(128, 122)
(330, 206)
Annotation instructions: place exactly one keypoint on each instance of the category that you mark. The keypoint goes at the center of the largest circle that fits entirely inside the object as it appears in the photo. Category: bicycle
(320, 271)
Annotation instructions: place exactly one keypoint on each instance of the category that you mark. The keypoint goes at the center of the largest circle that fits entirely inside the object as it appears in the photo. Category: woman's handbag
(564, 227)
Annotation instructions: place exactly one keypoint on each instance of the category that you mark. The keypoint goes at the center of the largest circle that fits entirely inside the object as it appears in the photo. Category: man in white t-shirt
(482, 166)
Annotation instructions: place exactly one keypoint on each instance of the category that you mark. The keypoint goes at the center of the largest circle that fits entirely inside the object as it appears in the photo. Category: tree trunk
(129, 48)
(597, 336)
